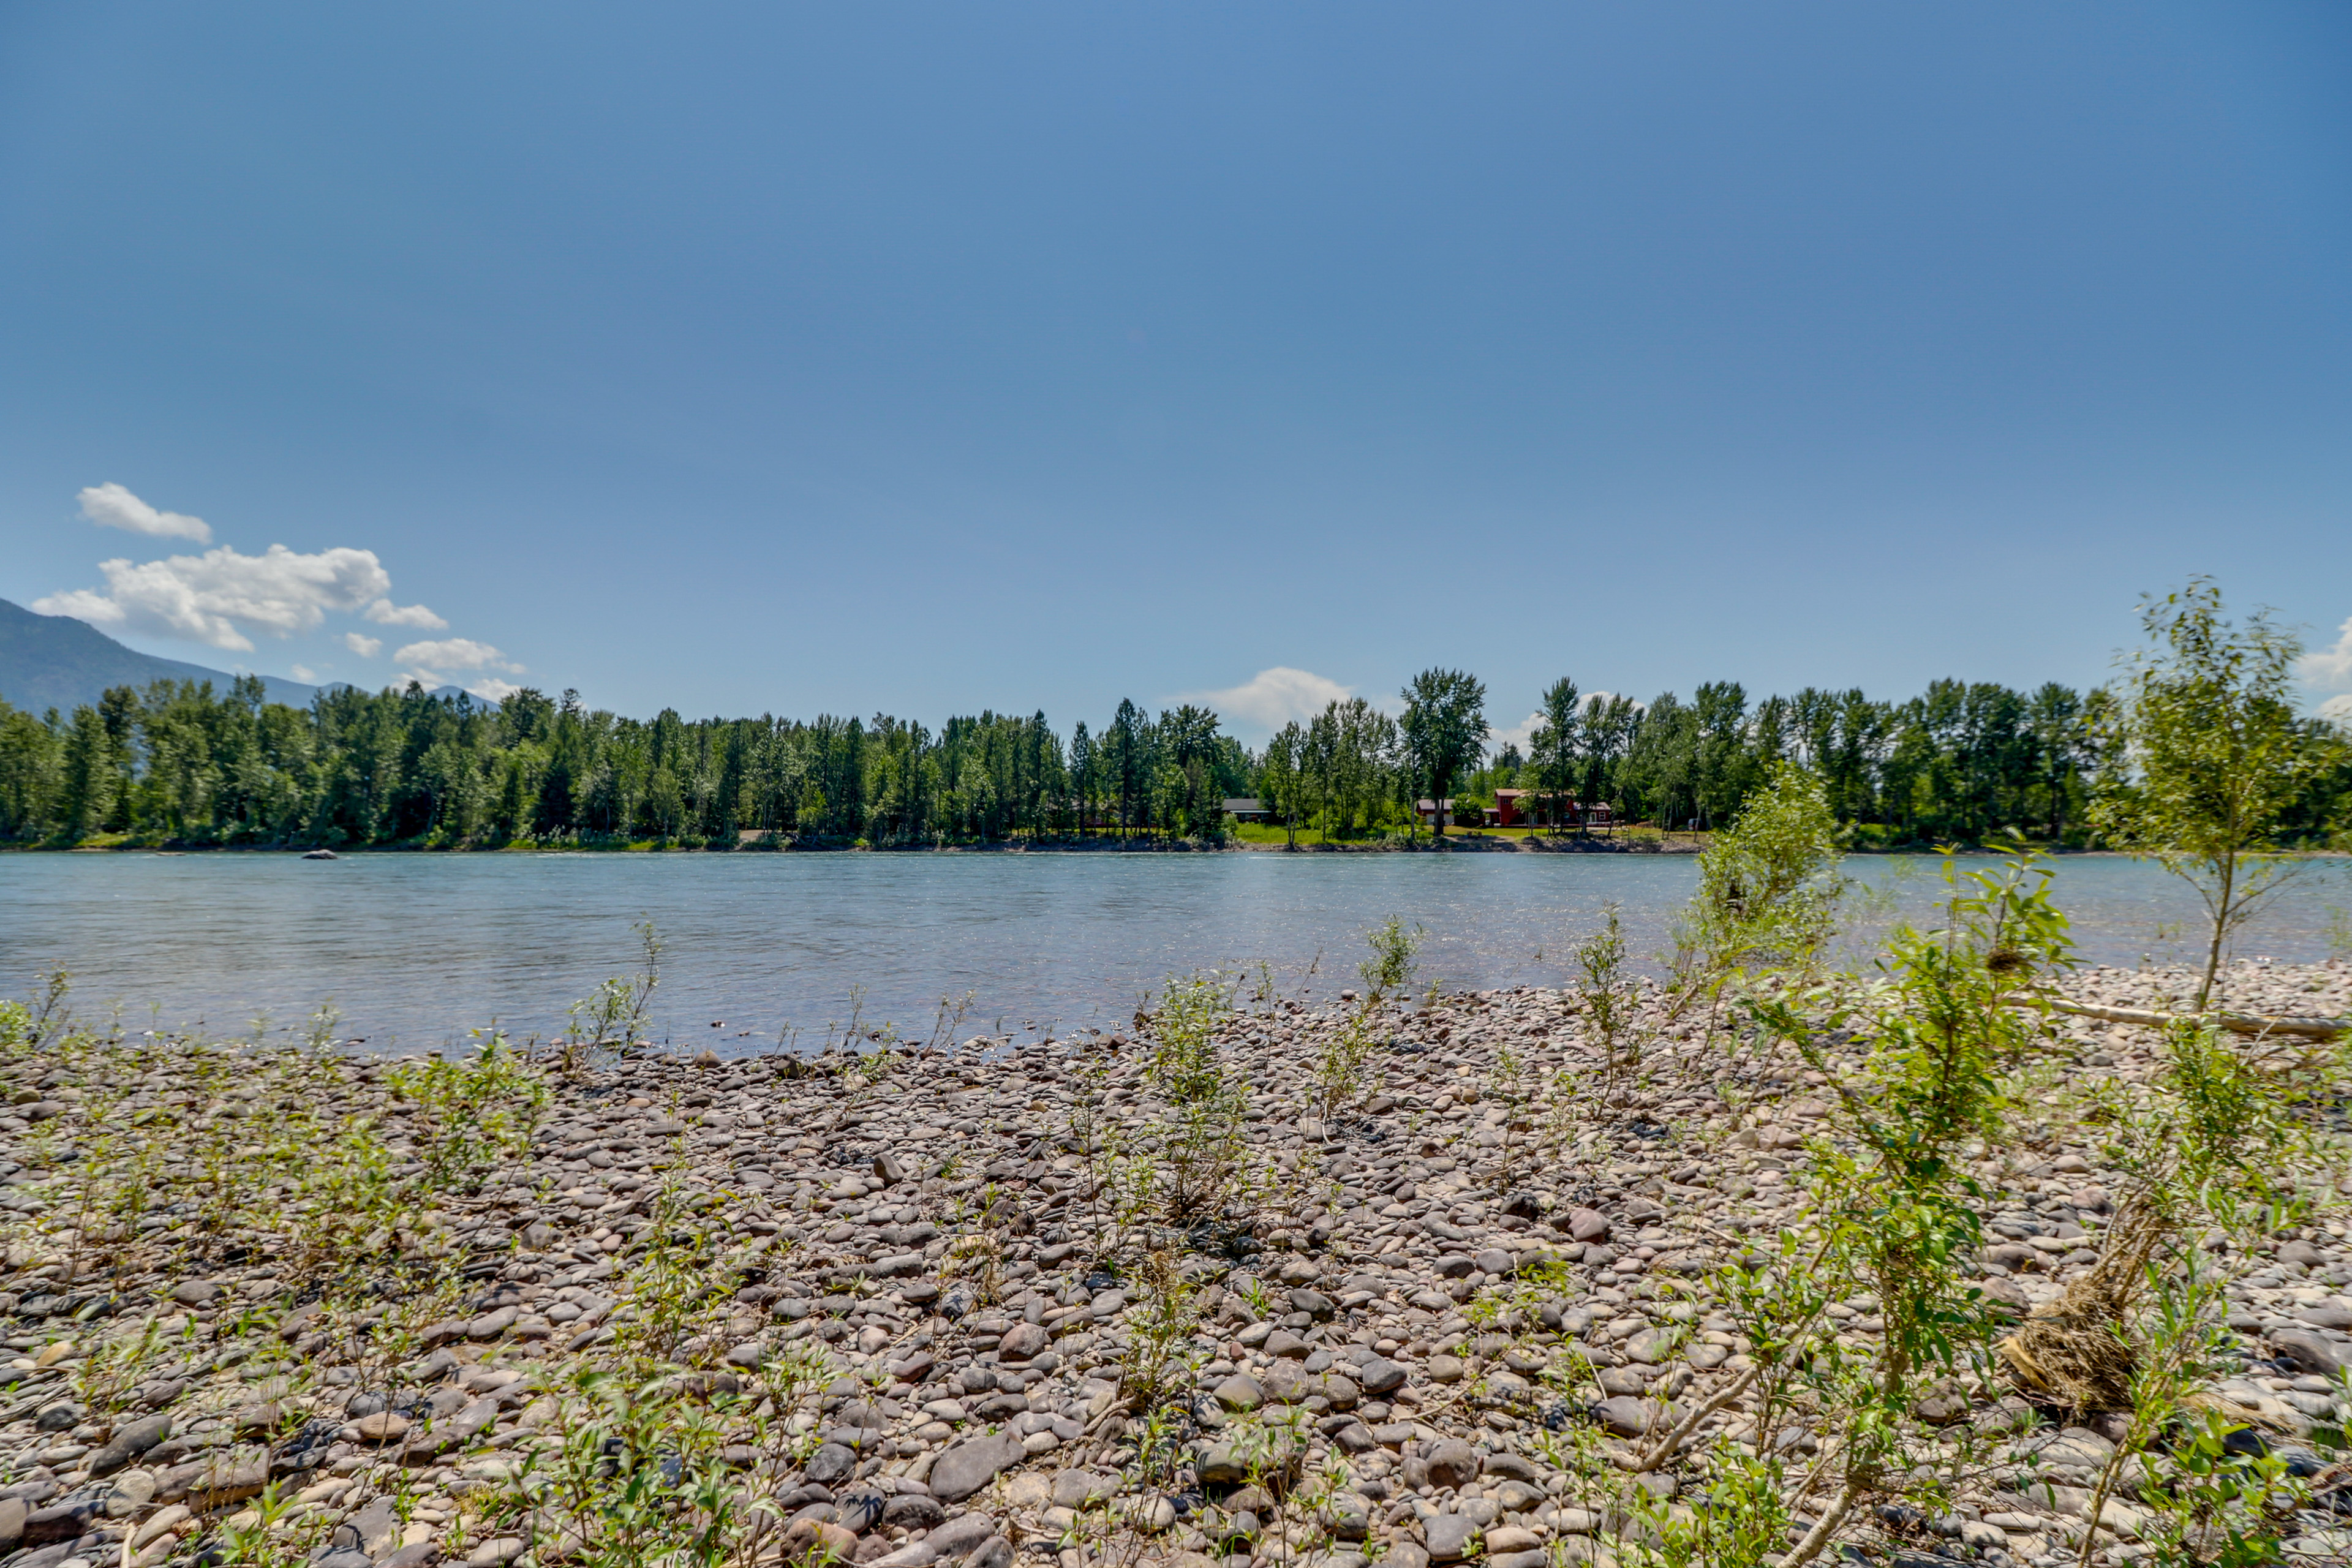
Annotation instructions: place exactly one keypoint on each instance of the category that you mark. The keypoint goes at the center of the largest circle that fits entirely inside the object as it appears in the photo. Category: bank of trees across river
(185, 764)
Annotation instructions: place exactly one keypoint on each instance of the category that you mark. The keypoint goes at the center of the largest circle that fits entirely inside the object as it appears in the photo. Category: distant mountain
(56, 662)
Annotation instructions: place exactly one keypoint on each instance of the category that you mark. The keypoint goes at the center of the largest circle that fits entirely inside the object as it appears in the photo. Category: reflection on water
(416, 949)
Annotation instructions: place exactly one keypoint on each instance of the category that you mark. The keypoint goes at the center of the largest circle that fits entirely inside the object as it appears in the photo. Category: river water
(416, 949)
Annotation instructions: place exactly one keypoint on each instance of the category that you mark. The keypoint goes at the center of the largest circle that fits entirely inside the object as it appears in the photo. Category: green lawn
(1269, 833)
(1272, 833)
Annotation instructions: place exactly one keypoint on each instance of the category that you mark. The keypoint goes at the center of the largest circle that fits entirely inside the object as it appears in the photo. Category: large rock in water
(964, 1467)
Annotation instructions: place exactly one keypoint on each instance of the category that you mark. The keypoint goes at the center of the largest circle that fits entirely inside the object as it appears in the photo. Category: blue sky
(928, 358)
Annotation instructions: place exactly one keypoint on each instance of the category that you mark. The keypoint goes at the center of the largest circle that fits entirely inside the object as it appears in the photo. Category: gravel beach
(1443, 1319)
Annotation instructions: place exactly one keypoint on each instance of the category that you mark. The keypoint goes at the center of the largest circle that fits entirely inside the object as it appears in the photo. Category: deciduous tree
(1445, 731)
(2213, 755)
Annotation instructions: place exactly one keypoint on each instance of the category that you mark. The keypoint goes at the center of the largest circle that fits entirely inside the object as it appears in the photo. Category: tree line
(180, 763)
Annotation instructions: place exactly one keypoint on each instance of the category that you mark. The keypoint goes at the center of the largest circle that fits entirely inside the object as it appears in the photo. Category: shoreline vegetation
(1631, 840)
(1755, 1263)
(1637, 838)
(178, 765)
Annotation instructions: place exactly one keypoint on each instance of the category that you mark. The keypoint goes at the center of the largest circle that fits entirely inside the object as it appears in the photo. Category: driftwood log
(2237, 1023)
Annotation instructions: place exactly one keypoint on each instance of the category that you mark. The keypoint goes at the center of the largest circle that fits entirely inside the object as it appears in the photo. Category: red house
(1533, 808)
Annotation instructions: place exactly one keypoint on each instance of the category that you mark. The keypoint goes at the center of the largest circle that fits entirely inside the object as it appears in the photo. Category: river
(416, 949)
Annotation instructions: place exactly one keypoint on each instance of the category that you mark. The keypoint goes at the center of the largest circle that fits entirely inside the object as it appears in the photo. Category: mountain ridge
(56, 661)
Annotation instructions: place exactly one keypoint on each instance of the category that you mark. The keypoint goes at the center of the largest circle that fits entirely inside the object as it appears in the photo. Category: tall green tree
(1661, 762)
(1608, 728)
(1127, 747)
(1189, 750)
(1720, 770)
(2056, 717)
(1280, 780)
(1084, 789)
(1445, 730)
(31, 758)
(1553, 746)
(88, 782)
(2213, 755)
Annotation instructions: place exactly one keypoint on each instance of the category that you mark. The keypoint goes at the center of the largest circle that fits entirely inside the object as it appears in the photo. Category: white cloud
(2331, 667)
(82, 605)
(490, 686)
(111, 506)
(1521, 735)
(304, 672)
(223, 599)
(457, 653)
(1272, 698)
(213, 597)
(2339, 709)
(384, 613)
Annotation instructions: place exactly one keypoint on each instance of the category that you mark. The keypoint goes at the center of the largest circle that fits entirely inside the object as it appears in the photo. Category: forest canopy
(183, 763)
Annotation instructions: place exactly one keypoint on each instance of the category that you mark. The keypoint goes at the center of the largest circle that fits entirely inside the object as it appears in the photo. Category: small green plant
(1158, 1362)
(977, 1255)
(2340, 932)
(2217, 1504)
(2207, 1142)
(2175, 1352)
(1185, 1062)
(1192, 1166)
(1895, 1208)
(472, 1117)
(952, 1012)
(1389, 971)
(669, 1284)
(1611, 998)
(323, 1026)
(1737, 1517)
(49, 1018)
(104, 1379)
(614, 1016)
(1512, 1083)
(636, 1475)
(1768, 893)
(1340, 1060)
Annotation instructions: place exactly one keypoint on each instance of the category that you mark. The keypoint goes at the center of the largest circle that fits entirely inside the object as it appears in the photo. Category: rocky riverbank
(274, 1306)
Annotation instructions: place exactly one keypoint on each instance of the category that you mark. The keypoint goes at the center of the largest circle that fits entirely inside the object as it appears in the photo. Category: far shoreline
(1685, 845)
